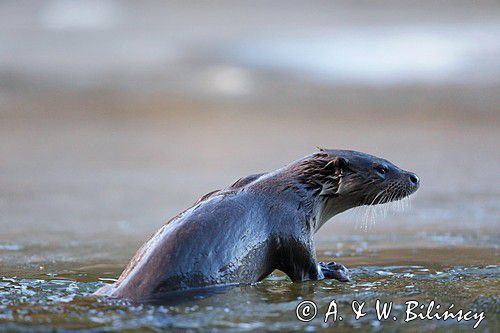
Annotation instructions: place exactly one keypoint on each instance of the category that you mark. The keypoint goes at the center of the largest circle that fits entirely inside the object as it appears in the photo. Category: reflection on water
(64, 301)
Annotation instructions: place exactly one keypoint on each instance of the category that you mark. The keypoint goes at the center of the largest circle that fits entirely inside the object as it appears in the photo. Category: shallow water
(56, 297)
(108, 129)
(76, 208)
(71, 221)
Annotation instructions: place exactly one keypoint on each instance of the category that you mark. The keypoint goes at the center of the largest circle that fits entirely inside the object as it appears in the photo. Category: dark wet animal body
(261, 223)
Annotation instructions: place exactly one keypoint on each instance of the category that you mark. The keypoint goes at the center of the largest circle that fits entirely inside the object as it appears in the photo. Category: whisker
(394, 198)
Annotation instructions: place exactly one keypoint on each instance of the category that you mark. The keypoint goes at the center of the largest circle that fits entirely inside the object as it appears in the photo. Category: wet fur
(260, 223)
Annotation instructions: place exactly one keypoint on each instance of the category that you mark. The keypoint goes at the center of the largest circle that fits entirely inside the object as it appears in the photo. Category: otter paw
(332, 270)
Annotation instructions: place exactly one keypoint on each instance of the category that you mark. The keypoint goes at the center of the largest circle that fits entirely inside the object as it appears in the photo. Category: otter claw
(332, 270)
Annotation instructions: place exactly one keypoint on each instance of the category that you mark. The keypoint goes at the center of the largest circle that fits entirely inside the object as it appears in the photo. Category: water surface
(60, 297)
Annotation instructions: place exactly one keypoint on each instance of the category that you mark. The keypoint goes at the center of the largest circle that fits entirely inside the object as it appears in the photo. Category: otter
(261, 223)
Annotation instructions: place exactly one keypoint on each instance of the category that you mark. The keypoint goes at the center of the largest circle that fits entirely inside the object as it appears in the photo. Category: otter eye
(381, 169)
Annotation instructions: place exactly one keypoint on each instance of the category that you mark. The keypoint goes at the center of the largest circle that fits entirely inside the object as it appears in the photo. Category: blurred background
(117, 115)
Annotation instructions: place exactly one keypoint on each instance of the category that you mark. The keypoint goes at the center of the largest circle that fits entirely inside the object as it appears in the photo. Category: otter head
(344, 179)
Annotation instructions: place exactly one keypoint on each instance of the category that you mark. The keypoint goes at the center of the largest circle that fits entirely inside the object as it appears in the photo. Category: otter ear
(338, 163)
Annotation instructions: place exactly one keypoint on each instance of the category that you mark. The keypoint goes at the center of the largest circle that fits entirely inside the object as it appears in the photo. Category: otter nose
(414, 179)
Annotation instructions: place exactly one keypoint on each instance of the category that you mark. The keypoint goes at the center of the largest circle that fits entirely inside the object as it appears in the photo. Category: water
(77, 204)
(74, 214)
(369, 55)
(109, 128)
(52, 298)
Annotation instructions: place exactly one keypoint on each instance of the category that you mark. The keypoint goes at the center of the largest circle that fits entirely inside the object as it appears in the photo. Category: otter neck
(293, 181)
(325, 208)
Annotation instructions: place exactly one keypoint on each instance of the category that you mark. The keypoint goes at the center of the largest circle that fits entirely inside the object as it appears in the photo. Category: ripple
(67, 304)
